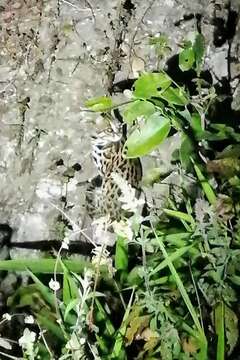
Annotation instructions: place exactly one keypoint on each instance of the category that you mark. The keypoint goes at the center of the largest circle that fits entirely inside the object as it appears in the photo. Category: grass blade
(45, 265)
(219, 327)
(188, 303)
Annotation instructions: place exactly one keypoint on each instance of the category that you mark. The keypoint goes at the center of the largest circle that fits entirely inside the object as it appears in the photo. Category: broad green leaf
(151, 84)
(121, 254)
(186, 59)
(175, 96)
(152, 133)
(198, 48)
(138, 108)
(100, 103)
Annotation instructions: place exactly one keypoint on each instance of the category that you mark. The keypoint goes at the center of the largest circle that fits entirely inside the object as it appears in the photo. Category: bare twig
(137, 29)
(91, 9)
(73, 224)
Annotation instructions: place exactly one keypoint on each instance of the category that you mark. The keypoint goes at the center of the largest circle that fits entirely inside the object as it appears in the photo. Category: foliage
(170, 289)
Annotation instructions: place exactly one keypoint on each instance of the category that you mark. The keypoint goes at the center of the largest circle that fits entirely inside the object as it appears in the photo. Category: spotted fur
(103, 200)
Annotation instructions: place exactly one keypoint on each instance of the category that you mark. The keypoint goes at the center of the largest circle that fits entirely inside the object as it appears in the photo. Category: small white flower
(7, 317)
(29, 319)
(65, 243)
(54, 285)
(82, 341)
(27, 339)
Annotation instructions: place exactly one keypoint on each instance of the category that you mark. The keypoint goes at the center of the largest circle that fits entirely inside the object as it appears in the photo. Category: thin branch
(110, 108)
(137, 28)
(91, 9)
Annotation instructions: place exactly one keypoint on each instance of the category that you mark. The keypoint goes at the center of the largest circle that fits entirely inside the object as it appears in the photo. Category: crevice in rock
(125, 13)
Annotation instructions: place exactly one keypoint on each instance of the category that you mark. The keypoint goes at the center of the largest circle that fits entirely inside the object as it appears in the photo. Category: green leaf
(186, 149)
(179, 215)
(219, 327)
(70, 306)
(102, 316)
(198, 48)
(210, 195)
(151, 84)
(46, 293)
(175, 96)
(45, 265)
(158, 103)
(200, 331)
(134, 278)
(100, 103)
(25, 296)
(121, 254)
(196, 124)
(186, 59)
(119, 345)
(174, 256)
(70, 289)
(138, 108)
(152, 133)
(66, 288)
(231, 329)
(176, 239)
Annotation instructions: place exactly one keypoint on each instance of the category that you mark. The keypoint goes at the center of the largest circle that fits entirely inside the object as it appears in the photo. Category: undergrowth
(170, 290)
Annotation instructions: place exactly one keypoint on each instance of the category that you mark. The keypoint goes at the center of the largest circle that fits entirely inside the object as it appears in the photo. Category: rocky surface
(54, 55)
